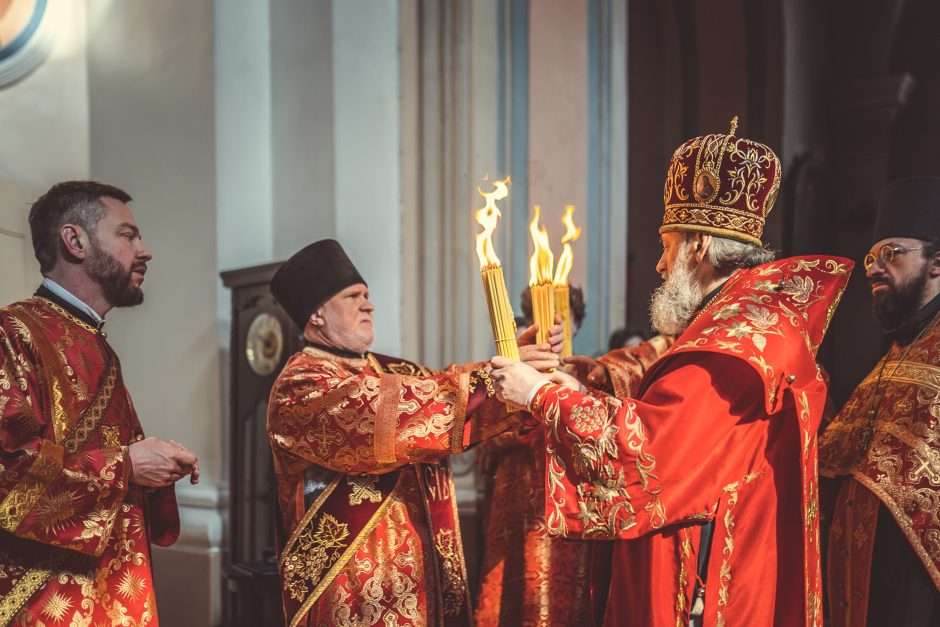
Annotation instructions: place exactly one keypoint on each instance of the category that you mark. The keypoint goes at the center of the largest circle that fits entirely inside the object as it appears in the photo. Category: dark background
(846, 92)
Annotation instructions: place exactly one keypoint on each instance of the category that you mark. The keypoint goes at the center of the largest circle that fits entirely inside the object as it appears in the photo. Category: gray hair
(725, 253)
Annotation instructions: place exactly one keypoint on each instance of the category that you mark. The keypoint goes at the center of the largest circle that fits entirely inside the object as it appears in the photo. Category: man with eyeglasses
(884, 446)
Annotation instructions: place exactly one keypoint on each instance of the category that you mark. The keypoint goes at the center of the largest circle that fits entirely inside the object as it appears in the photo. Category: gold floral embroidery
(389, 571)
(92, 415)
(56, 508)
(724, 575)
(453, 588)
(21, 499)
(131, 586)
(605, 507)
(748, 176)
(56, 607)
(112, 435)
(902, 463)
(314, 553)
(685, 551)
(588, 418)
(555, 521)
(677, 171)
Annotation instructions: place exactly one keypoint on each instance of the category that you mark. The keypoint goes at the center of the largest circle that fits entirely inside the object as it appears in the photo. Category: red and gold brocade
(724, 429)
(75, 539)
(360, 418)
(529, 577)
(900, 469)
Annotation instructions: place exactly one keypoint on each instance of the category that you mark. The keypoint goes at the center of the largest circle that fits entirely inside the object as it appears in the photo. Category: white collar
(71, 298)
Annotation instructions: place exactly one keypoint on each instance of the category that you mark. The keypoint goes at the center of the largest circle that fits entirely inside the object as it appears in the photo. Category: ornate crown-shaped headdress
(723, 185)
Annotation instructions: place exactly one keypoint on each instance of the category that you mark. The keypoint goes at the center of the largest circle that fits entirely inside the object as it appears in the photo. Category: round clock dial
(264, 344)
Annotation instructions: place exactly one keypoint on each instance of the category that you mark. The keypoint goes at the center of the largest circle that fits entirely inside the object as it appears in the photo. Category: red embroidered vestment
(899, 469)
(75, 539)
(723, 428)
(529, 577)
(380, 542)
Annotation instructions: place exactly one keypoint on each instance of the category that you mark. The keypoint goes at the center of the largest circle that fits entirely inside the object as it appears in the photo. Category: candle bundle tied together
(494, 283)
(540, 279)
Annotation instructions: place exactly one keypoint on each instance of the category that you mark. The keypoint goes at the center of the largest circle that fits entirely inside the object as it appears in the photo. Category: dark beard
(116, 283)
(895, 305)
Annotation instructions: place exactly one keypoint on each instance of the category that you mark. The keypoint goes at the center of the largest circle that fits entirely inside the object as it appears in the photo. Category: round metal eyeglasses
(886, 255)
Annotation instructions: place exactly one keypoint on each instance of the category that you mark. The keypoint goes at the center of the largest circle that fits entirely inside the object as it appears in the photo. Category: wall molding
(202, 510)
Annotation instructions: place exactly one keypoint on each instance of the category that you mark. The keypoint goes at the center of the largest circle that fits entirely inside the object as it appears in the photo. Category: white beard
(674, 302)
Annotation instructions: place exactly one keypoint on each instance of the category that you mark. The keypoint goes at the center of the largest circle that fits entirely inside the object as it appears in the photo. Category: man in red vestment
(883, 449)
(82, 493)
(369, 532)
(705, 479)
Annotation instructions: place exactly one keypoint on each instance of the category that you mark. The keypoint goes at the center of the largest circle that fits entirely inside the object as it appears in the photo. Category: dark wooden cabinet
(258, 352)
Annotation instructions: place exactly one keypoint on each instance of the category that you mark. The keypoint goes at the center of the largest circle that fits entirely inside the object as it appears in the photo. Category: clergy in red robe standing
(369, 532)
(705, 480)
(882, 451)
(82, 493)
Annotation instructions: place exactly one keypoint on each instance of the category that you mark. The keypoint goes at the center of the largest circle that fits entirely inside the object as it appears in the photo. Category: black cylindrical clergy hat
(909, 208)
(311, 277)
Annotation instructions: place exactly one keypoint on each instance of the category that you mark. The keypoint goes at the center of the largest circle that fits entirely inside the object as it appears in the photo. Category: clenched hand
(157, 463)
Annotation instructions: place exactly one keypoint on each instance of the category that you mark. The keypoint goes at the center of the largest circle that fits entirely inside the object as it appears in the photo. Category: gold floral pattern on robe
(900, 468)
(529, 577)
(349, 416)
(75, 538)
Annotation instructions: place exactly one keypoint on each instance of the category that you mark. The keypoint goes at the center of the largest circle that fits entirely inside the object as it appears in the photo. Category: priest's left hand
(513, 380)
(556, 336)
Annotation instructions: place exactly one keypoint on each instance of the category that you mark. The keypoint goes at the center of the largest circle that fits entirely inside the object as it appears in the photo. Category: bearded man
(705, 479)
(369, 531)
(883, 448)
(82, 493)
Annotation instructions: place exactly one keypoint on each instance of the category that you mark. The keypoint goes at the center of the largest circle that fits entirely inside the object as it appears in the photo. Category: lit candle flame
(566, 259)
(541, 261)
(488, 217)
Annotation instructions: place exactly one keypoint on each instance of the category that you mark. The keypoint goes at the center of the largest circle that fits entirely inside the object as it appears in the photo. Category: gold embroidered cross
(924, 470)
(363, 489)
(112, 435)
(325, 438)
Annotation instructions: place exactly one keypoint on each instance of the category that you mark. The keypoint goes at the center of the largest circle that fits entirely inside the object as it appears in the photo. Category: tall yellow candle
(494, 283)
(563, 309)
(565, 262)
(540, 279)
